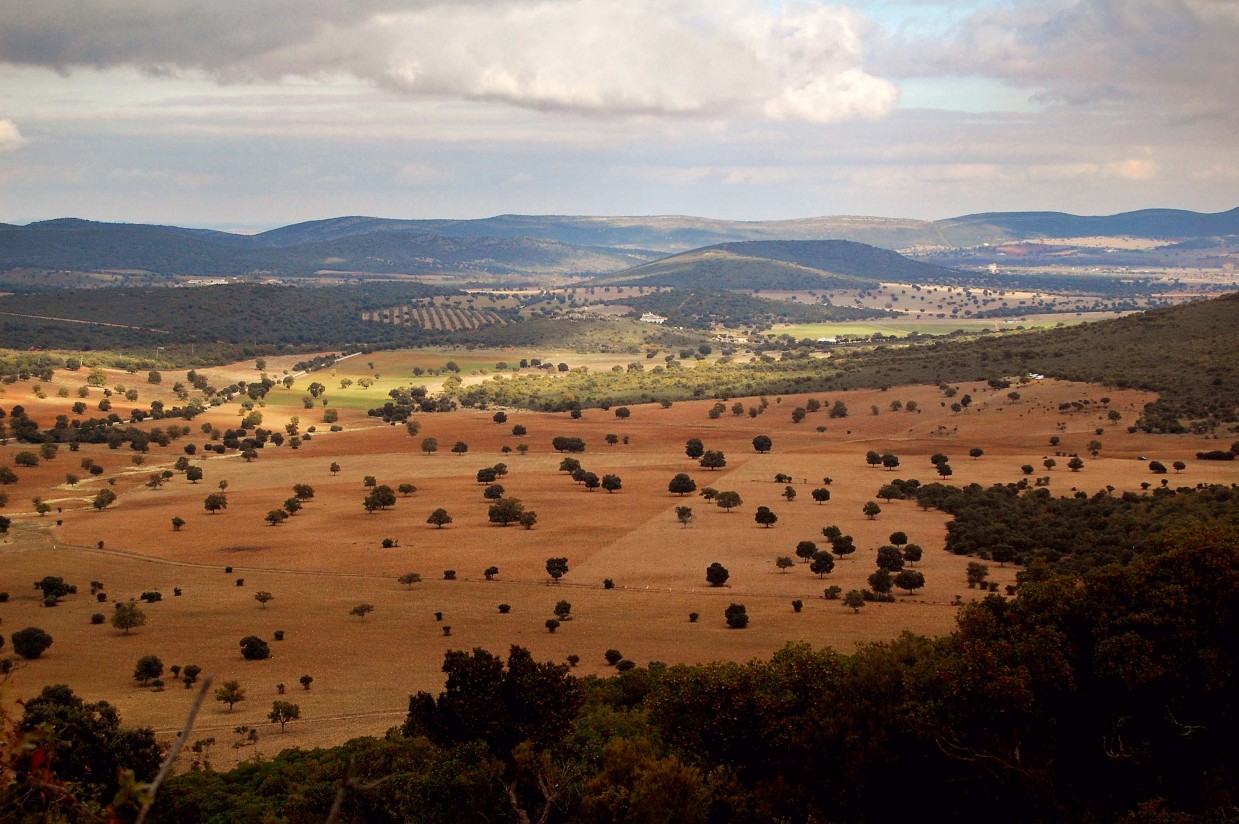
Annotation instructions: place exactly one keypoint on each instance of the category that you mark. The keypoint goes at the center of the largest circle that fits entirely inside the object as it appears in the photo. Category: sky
(245, 116)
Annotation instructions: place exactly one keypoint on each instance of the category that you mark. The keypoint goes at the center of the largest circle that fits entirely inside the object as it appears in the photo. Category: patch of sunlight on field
(902, 328)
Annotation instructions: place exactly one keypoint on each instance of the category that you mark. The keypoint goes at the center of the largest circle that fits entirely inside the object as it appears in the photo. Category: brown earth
(327, 558)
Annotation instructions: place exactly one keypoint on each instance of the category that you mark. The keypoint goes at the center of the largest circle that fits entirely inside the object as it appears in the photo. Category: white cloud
(10, 137)
(693, 57)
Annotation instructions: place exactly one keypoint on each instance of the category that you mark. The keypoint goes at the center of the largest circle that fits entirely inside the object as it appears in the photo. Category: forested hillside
(88, 246)
(249, 314)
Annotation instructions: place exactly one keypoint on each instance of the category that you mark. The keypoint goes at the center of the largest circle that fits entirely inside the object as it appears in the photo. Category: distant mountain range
(673, 233)
(539, 246)
(361, 245)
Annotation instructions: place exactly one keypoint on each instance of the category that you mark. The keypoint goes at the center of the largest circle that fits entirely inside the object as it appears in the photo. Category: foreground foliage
(1106, 697)
(1089, 699)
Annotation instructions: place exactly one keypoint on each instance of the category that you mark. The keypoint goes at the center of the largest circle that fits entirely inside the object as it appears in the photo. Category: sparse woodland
(1095, 684)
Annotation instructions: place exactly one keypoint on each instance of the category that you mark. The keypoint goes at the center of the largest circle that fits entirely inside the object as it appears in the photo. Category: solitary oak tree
(230, 693)
(126, 616)
(556, 568)
(284, 711)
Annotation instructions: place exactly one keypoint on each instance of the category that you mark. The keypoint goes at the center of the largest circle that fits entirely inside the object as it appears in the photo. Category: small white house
(650, 317)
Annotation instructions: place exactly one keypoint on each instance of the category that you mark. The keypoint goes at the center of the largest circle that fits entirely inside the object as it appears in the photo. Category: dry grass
(327, 558)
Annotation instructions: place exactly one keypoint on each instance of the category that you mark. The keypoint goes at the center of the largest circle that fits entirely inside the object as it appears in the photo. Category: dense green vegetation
(1035, 525)
(1106, 697)
(216, 324)
(237, 314)
(708, 308)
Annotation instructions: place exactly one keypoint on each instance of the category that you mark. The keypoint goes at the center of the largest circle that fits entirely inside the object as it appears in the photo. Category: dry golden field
(328, 558)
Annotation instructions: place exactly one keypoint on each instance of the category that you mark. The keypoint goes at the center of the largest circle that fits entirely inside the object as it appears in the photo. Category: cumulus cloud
(694, 57)
(10, 137)
(1177, 55)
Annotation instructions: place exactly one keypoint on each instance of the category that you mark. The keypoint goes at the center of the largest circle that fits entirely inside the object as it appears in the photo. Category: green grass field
(394, 369)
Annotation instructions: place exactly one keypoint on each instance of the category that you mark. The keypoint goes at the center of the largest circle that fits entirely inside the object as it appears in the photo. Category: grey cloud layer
(1174, 58)
(695, 57)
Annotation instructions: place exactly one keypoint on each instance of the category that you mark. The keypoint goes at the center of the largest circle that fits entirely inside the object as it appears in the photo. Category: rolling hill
(1157, 224)
(678, 233)
(550, 245)
(786, 264)
(345, 245)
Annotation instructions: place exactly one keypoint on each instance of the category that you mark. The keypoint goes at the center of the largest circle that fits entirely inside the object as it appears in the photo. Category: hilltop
(786, 264)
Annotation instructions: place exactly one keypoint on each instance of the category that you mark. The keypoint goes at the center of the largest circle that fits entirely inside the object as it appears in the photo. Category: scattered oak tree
(282, 712)
(126, 616)
(682, 484)
(254, 648)
(230, 693)
(737, 617)
(717, 574)
(31, 642)
(765, 516)
(556, 568)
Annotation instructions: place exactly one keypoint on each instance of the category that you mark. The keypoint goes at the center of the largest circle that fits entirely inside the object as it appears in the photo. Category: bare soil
(328, 558)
